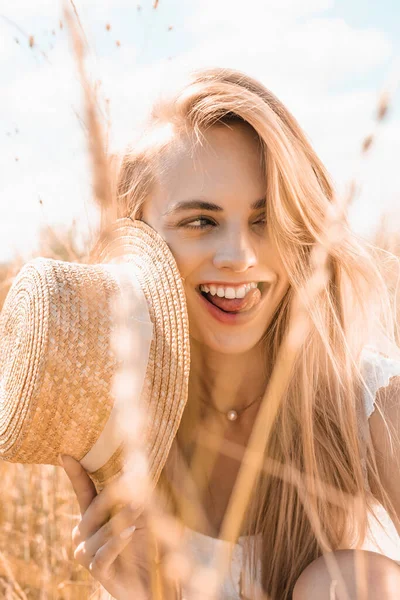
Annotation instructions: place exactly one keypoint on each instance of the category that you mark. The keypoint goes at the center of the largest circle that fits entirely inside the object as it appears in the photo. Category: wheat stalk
(298, 329)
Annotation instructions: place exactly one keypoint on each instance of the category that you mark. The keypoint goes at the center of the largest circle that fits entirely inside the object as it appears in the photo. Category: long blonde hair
(317, 432)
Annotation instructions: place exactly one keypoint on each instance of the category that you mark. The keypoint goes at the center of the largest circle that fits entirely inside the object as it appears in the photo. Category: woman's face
(209, 206)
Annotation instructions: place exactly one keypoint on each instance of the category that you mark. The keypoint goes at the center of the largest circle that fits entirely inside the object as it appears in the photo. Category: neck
(228, 381)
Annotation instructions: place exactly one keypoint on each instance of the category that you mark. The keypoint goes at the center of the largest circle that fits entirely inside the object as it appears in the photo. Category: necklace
(232, 414)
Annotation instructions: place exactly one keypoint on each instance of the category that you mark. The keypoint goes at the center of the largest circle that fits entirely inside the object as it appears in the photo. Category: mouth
(232, 300)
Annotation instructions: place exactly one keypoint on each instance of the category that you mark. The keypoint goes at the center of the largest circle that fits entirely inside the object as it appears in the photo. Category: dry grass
(37, 513)
(37, 507)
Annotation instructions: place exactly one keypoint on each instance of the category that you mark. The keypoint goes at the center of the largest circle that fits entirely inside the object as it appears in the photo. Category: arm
(387, 443)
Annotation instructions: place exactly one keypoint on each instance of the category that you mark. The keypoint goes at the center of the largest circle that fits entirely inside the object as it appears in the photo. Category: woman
(227, 177)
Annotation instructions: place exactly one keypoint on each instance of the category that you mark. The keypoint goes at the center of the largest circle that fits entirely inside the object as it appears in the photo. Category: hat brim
(56, 362)
(165, 390)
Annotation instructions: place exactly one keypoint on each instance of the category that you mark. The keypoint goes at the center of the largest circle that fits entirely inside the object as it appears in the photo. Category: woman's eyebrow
(258, 204)
(193, 204)
(204, 205)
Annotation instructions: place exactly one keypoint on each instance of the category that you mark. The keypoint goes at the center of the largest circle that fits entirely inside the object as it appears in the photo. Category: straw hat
(57, 362)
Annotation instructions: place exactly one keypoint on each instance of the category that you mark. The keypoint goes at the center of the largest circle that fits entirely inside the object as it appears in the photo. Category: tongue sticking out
(250, 300)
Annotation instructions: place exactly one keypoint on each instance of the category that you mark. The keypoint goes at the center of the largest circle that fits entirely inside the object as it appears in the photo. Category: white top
(377, 371)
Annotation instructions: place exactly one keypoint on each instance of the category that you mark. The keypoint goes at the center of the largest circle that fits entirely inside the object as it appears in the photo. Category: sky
(327, 60)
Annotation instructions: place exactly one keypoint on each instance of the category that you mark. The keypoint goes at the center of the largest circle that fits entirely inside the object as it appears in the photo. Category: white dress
(377, 371)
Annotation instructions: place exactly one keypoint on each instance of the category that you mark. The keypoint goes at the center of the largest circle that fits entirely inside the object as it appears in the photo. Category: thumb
(83, 486)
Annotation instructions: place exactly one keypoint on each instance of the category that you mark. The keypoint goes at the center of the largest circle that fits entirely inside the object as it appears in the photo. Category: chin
(227, 343)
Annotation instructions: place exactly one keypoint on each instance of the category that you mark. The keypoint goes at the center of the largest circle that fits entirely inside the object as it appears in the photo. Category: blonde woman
(228, 178)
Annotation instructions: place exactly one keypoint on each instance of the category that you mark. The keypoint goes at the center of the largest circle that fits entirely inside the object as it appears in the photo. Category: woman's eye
(261, 222)
(199, 223)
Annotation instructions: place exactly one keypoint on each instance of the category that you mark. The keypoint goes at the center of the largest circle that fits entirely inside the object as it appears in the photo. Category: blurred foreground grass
(38, 508)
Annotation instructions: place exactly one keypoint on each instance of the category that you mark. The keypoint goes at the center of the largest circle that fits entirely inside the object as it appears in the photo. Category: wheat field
(38, 508)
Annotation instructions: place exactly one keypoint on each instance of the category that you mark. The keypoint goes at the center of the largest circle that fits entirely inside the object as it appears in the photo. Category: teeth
(229, 292)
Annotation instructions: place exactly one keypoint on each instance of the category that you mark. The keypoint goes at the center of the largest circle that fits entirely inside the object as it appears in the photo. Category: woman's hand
(115, 549)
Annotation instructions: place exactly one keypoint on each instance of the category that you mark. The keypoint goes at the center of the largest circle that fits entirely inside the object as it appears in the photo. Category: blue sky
(325, 59)
(383, 16)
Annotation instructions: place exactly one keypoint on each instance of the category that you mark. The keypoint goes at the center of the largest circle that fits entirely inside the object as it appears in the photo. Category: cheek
(274, 262)
(186, 263)
(183, 252)
(188, 255)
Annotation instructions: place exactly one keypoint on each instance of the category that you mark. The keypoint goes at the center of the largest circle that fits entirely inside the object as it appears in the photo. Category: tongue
(236, 304)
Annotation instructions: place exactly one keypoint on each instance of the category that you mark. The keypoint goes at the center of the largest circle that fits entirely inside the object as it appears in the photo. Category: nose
(235, 252)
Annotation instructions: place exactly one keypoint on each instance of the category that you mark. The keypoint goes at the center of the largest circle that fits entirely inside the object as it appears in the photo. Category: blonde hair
(317, 432)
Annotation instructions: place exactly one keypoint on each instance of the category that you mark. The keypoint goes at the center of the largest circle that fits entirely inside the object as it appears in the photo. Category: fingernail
(126, 533)
(60, 460)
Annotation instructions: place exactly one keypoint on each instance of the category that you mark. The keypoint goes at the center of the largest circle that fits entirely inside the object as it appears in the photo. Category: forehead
(225, 166)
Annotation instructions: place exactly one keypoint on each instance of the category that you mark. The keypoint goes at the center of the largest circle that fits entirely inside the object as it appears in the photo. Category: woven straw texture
(56, 363)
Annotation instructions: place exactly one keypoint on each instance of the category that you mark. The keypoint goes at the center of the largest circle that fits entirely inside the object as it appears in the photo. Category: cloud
(24, 10)
(318, 66)
(312, 54)
(379, 177)
(248, 17)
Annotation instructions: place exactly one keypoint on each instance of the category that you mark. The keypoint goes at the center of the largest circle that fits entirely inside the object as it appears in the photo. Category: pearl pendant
(231, 415)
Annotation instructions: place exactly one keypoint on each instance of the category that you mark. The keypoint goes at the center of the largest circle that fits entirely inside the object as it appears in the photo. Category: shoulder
(381, 380)
(384, 421)
(384, 427)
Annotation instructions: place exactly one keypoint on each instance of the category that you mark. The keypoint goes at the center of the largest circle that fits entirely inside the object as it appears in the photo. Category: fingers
(83, 486)
(115, 495)
(95, 530)
(102, 564)
(116, 529)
